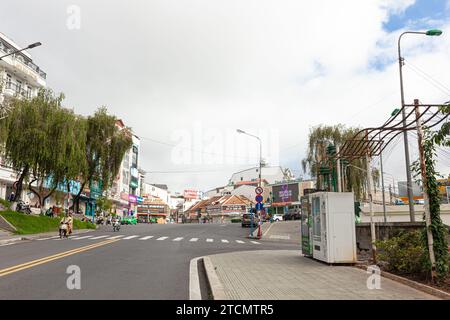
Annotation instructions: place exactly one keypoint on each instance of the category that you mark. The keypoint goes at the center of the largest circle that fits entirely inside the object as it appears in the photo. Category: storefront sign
(233, 208)
(124, 196)
(75, 186)
(132, 198)
(139, 199)
(134, 172)
(191, 194)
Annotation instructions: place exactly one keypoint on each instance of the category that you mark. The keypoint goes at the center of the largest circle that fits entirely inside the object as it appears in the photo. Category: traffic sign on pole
(259, 198)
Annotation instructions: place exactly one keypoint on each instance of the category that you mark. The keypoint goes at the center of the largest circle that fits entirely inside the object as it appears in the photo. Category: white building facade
(19, 77)
(126, 189)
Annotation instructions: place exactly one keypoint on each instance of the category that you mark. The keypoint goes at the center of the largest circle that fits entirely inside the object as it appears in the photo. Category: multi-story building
(126, 189)
(19, 77)
(156, 190)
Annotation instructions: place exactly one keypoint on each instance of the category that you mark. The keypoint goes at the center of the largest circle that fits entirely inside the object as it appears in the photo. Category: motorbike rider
(65, 220)
(69, 220)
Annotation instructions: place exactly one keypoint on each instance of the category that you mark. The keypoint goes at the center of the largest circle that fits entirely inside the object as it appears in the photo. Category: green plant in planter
(405, 253)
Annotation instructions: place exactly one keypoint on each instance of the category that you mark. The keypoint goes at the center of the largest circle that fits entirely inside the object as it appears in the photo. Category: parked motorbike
(23, 207)
(63, 229)
(116, 226)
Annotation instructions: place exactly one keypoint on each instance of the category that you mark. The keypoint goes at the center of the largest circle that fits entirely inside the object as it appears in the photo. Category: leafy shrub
(236, 220)
(404, 254)
(5, 204)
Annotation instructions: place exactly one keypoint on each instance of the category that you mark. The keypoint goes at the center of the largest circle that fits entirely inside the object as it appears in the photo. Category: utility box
(333, 227)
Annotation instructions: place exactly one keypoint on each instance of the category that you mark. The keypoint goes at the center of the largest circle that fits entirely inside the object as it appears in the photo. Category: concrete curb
(416, 285)
(194, 282)
(9, 241)
(217, 289)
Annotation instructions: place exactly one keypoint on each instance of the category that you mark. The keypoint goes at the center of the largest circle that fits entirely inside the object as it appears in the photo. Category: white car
(277, 217)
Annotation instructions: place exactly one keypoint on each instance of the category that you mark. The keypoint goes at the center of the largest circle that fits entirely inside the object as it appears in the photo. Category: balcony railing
(29, 64)
(18, 89)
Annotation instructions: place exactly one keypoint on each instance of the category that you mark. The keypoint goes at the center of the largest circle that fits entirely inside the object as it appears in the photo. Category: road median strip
(30, 264)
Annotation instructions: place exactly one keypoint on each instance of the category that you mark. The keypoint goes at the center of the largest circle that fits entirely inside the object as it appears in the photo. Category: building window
(126, 161)
(19, 86)
(8, 81)
(125, 175)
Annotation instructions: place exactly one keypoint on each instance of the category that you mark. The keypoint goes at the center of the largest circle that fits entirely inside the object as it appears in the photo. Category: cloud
(162, 65)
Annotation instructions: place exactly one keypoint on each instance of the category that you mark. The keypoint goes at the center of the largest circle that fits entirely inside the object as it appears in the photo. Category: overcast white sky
(196, 70)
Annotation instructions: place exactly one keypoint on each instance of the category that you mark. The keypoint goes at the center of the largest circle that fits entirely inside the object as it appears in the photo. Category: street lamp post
(433, 32)
(260, 166)
(31, 46)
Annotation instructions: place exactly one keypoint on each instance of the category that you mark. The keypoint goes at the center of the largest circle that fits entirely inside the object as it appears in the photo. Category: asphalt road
(144, 262)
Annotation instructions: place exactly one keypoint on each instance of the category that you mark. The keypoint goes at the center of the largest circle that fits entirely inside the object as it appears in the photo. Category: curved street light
(31, 46)
(432, 32)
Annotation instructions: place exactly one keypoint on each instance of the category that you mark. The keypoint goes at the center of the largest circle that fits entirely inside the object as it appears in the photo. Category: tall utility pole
(338, 169)
(390, 194)
(260, 174)
(425, 190)
(369, 192)
(405, 139)
(382, 186)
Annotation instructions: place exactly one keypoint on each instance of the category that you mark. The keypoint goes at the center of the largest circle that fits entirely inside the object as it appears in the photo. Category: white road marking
(276, 236)
(194, 239)
(99, 237)
(42, 239)
(146, 238)
(255, 242)
(130, 237)
(115, 237)
(178, 239)
(6, 244)
(209, 240)
(240, 241)
(225, 241)
(162, 238)
(85, 237)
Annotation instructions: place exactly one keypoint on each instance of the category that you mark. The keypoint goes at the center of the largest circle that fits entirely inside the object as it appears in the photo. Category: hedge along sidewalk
(29, 224)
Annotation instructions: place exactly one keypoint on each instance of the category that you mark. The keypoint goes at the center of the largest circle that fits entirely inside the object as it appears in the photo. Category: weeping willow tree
(42, 140)
(105, 148)
(320, 137)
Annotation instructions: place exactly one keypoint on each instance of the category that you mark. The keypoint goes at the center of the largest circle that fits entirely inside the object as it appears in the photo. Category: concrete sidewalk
(6, 238)
(287, 275)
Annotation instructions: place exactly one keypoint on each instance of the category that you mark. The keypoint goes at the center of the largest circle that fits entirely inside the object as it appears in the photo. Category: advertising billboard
(191, 194)
(286, 193)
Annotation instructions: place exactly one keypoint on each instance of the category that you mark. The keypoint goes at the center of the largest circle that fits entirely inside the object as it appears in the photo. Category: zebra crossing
(157, 238)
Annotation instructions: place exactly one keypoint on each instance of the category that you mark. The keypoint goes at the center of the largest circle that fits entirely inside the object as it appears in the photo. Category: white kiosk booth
(333, 227)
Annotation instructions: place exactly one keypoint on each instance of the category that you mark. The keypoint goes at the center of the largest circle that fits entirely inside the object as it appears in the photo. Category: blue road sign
(259, 206)
(259, 198)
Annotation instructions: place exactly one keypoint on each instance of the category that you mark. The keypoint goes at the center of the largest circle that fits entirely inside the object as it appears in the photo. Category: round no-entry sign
(259, 190)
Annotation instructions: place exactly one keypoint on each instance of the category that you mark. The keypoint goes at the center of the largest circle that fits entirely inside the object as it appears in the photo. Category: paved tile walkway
(286, 275)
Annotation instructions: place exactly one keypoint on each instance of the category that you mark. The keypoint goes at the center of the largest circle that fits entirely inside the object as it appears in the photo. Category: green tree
(103, 204)
(26, 141)
(44, 141)
(105, 148)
